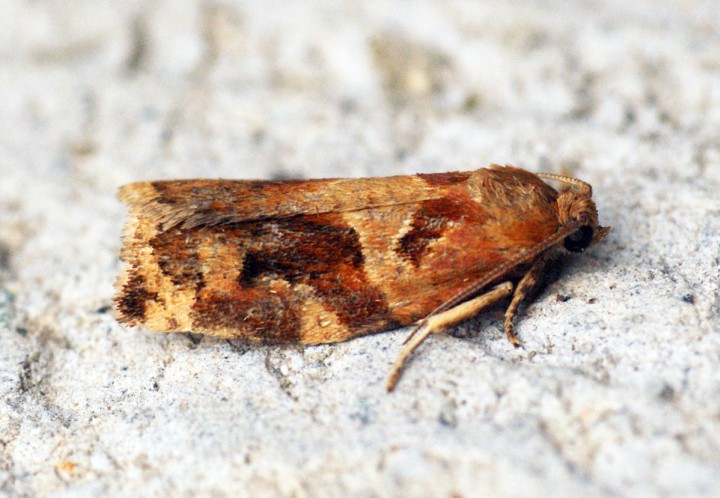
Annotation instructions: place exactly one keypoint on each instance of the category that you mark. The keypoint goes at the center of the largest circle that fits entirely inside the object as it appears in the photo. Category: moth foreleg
(526, 284)
(438, 323)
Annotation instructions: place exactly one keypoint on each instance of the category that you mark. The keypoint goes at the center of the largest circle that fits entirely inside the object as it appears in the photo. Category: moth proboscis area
(322, 261)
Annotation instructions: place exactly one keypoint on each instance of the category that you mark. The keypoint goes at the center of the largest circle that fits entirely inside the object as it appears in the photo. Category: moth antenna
(498, 272)
(585, 188)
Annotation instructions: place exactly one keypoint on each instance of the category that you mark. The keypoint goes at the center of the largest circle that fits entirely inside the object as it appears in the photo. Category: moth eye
(579, 240)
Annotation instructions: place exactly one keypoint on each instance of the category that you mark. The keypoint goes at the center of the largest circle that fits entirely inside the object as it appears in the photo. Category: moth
(323, 261)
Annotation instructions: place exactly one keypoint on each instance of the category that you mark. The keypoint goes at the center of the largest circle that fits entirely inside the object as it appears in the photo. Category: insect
(322, 261)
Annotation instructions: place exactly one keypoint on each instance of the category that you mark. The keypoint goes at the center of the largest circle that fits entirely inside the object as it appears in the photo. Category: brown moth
(321, 261)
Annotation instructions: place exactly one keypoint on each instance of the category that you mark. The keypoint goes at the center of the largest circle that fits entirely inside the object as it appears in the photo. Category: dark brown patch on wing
(131, 303)
(430, 222)
(443, 179)
(176, 253)
(303, 249)
(321, 252)
(271, 317)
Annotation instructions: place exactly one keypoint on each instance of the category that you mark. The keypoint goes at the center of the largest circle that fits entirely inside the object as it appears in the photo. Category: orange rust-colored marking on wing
(432, 219)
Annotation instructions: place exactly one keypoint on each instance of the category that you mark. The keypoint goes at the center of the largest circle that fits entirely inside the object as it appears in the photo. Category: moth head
(575, 208)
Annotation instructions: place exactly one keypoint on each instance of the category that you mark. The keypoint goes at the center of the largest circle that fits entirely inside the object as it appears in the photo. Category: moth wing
(193, 203)
(315, 261)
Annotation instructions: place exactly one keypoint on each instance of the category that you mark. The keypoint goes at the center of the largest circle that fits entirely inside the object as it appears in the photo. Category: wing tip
(137, 194)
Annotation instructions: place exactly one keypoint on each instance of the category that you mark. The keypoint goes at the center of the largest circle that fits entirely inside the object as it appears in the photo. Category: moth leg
(526, 284)
(438, 323)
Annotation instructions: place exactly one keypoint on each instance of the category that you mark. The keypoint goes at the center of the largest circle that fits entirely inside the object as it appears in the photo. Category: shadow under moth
(322, 261)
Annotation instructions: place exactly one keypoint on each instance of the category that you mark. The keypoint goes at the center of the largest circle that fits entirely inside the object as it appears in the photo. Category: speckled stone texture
(617, 389)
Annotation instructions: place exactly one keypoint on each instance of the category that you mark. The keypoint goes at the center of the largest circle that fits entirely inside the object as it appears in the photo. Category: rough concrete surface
(617, 389)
